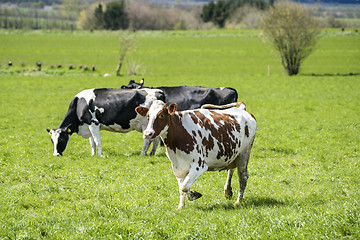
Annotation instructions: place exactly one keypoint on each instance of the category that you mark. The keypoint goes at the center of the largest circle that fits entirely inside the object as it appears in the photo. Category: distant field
(304, 169)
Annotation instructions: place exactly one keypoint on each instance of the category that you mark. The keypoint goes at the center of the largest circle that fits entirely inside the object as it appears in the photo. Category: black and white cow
(192, 97)
(108, 109)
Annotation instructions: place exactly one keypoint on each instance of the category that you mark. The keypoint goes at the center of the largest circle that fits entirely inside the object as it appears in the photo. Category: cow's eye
(161, 116)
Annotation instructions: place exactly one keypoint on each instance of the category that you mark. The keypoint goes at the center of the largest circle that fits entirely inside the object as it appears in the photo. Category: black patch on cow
(62, 141)
(188, 97)
(118, 105)
(71, 119)
(193, 97)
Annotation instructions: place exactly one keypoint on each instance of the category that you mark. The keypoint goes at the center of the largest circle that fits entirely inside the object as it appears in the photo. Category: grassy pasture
(304, 168)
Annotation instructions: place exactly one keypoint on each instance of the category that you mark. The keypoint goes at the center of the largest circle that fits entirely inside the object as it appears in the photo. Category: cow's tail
(241, 105)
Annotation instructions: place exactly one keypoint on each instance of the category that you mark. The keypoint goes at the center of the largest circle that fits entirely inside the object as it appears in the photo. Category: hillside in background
(159, 14)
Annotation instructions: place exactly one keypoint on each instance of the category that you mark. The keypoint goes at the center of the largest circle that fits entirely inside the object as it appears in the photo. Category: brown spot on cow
(246, 130)
(194, 118)
(208, 143)
(178, 137)
(226, 124)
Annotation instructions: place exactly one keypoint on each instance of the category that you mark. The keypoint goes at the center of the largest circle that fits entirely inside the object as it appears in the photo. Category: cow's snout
(148, 134)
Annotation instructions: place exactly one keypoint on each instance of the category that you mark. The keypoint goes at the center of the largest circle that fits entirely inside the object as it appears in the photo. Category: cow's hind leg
(93, 145)
(227, 188)
(95, 132)
(242, 162)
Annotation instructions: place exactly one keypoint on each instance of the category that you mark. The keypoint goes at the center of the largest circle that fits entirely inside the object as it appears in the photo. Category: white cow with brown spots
(203, 140)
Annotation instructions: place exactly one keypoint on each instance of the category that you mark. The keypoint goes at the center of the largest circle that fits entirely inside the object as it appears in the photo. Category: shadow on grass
(331, 74)
(250, 202)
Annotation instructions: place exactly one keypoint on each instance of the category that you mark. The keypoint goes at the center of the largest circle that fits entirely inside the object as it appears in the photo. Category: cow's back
(193, 97)
(218, 136)
(116, 106)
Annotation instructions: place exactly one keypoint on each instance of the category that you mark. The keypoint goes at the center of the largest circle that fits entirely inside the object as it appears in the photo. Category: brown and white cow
(203, 140)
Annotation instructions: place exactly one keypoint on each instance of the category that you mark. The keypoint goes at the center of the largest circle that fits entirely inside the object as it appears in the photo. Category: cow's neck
(177, 137)
(71, 119)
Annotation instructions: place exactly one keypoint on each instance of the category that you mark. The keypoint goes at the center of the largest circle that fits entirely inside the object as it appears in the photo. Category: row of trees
(220, 11)
(133, 15)
(34, 18)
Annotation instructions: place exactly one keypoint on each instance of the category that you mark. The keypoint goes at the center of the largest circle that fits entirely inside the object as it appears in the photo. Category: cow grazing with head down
(192, 97)
(108, 109)
(203, 140)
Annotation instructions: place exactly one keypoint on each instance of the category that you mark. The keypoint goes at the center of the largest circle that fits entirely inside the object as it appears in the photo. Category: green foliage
(292, 31)
(304, 169)
(220, 11)
(99, 17)
(115, 16)
(215, 12)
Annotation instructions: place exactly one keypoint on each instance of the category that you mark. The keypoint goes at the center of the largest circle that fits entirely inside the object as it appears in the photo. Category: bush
(146, 17)
(292, 31)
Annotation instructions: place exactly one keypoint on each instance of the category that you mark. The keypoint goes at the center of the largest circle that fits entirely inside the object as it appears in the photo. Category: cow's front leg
(227, 188)
(155, 144)
(93, 145)
(146, 146)
(182, 194)
(95, 133)
(186, 183)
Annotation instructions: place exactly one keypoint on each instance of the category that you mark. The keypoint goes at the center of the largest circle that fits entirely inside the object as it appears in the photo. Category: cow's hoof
(193, 195)
(237, 203)
(228, 194)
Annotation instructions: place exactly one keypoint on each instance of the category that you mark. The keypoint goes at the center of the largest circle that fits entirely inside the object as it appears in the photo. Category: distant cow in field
(191, 97)
(108, 109)
(203, 140)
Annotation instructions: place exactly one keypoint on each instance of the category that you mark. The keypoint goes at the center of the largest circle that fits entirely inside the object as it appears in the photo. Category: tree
(293, 32)
(99, 17)
(221, 13)
(127, 43)
(215, 12)
(87, 20)
(115, 16)
(208, 11)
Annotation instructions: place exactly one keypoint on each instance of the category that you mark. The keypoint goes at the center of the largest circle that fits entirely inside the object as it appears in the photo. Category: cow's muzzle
(148, 134)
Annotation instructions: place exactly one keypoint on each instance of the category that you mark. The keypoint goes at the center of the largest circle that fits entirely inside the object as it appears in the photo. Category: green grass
(304, 169)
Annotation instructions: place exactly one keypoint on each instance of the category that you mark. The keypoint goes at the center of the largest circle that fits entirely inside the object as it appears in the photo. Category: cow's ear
(142, 110)
(172, 108)
(67, 129)
(49, 131)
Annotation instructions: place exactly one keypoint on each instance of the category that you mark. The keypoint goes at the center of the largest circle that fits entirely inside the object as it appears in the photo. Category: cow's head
(159, 118)
(133, 85)
(60, 138)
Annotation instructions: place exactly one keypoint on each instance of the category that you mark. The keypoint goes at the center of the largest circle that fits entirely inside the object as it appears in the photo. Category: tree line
(218, 12)
(141, 15)
(117, 15)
